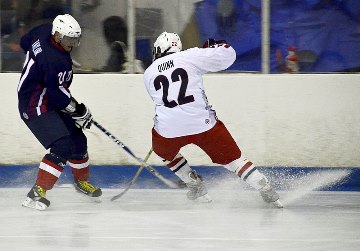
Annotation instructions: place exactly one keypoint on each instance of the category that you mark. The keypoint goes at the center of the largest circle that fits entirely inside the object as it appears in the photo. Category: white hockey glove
(80, 113)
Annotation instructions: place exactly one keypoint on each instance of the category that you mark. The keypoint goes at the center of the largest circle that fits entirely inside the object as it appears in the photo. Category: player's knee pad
(56, 159)
(79, 156)
(63, 147)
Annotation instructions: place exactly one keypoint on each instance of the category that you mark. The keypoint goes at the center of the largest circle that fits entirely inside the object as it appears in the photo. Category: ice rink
(163, 219)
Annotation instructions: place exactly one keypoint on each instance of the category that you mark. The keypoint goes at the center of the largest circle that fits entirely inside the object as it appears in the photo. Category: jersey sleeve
(213, 59)
(25, 42)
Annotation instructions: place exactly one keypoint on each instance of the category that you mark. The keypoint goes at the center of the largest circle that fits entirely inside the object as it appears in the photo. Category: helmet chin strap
(164, 53)
(161, 54)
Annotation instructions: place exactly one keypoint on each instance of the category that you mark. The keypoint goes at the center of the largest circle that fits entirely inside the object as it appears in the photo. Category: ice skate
(269, 195)
(36, 199)
(87, 188)
(197, 190)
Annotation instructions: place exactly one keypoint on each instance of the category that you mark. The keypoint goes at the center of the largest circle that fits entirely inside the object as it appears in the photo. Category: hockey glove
(80, 113)
(83, 117)
(210, 43)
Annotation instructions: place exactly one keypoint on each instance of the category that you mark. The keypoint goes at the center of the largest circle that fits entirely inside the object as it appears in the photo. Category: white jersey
(175, 84)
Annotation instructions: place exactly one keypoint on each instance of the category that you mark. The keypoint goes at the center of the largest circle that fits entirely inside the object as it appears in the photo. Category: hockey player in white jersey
(184, 116)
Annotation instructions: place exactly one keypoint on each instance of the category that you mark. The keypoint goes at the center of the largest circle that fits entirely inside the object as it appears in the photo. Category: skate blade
(278, 204)
(204, 199)
(88, 197)
(38, 205)
(95, 199)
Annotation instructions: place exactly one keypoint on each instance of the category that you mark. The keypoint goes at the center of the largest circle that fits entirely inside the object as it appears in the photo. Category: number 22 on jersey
(162, 82)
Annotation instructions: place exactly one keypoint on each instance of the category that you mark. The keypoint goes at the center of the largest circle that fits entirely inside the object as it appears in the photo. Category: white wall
(286, 120)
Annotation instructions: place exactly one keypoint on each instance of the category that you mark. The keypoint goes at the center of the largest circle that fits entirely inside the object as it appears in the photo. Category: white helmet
(166, 43)
(67, 26)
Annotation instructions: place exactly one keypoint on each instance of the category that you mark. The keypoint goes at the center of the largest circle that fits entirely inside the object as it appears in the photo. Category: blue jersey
(46, 75)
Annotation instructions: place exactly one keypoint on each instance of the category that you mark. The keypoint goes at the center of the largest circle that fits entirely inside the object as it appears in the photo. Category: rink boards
(112, 176)
(294, 120)
(297, 127)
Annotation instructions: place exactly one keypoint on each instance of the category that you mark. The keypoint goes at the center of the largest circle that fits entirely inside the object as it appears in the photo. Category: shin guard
(248, 172)
(50, 169)
(180, 167)
(80, 168)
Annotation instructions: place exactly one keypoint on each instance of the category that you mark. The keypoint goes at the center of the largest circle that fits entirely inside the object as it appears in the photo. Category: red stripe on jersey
(244, 168)
(43, 107)
(34, 99)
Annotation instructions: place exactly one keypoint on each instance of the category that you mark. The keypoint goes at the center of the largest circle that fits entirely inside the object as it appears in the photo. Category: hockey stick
(151, 169)
(134, 178)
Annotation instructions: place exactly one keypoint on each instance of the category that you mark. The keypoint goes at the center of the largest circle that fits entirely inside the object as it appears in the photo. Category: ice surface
(163, 219)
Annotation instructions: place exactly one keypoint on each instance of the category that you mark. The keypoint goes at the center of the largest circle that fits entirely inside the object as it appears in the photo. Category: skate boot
(87, 188)
(36, 198)
(269, 195)
(197, 190)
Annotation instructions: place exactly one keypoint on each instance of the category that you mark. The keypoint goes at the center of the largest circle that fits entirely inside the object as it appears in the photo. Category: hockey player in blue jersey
(50, 111)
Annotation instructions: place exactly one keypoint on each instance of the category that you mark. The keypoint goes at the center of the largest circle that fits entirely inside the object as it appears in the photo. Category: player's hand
(210, 43)
(82, 116)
